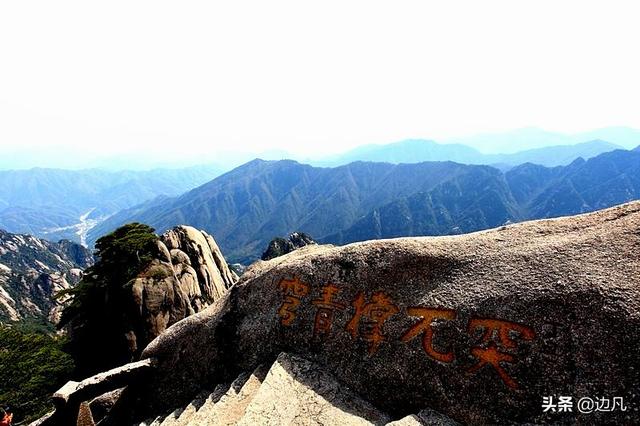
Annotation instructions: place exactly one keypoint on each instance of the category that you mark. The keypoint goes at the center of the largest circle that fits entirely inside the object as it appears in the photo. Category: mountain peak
(281, 246)
(32, 270)
(248, 206)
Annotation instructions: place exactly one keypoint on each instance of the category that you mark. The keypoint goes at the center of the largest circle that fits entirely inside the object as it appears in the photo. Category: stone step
(411, 420)
(172, 418)
(426, 417)
(230, 408)
(157, 421)
(298, 392)
(210, 403)
(151, 422)
(188, 412)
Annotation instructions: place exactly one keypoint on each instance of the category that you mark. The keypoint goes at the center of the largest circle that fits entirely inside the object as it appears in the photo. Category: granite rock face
(299, 392)
(199, 250)
(479, 327)
(281, 246)
(32, 271)
(188, 275)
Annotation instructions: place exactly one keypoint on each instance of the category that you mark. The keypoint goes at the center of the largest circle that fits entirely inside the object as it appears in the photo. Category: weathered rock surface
(189, 274)
(85, 418)
(298, 392)
(99, 384)
(281, 246)
(102, 404)
(479, 327)
(230, 408)
(426, 417)
(103, 390)
(293, 391)
(32, 271)
(205, 257)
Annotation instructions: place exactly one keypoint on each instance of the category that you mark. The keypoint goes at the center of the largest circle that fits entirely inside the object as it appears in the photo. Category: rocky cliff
(281, 246)
(482, 328)
(32, 270)
(189, 274)
(141, 284)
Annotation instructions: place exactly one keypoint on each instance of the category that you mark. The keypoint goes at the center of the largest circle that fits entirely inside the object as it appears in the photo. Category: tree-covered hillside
(260, 200)
(32, 366)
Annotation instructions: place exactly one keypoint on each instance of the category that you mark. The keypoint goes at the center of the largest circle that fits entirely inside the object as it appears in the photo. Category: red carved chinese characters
(294, 290)
(496, 347)
(373, 316)
(492, 351)
(424, 326)
(326, 308)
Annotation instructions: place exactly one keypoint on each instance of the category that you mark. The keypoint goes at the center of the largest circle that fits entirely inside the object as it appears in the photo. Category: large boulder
(188, 275)
(205, 258)
(479, 327)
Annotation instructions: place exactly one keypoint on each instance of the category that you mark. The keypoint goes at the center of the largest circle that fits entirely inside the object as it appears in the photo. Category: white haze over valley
(149, 83)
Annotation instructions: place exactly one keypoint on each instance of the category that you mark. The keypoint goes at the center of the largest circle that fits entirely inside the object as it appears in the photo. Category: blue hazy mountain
(513, 141)
(534, 192)
(57, 204)
(532, 138)
(624, 136)
(557, 155)
(408, 151)
(418, 150)
(70, 158)
(249, 206)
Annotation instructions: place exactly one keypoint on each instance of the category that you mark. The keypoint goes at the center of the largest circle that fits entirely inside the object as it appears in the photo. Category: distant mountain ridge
(247, 207)
(56, 204)
(528, 138)
(419, 150)
(535, 192)
(407, 151)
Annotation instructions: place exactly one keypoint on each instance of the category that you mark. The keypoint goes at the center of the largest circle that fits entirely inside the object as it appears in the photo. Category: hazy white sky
(309, 76)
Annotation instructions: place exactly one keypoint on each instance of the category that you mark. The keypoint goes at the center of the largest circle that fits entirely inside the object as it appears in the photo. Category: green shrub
(32, 367)
(158, 273)
(99, 312)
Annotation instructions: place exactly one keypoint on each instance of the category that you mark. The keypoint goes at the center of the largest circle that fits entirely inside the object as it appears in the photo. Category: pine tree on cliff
(97, 310)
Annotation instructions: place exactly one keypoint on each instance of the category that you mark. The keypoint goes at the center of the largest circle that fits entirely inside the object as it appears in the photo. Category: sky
(197, 79)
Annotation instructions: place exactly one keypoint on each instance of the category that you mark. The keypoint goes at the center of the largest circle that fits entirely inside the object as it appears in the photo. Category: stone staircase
(293, 391)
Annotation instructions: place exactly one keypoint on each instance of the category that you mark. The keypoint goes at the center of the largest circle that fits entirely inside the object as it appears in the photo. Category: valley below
(80, 230)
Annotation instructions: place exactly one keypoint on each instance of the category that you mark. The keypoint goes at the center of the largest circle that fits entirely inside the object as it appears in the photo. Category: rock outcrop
(479, 327)
(199, 251)
(32, 271)
(281, 246)
(189, 274)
